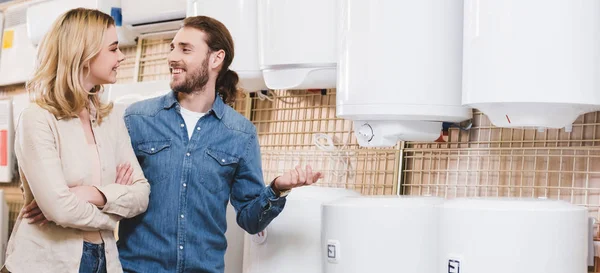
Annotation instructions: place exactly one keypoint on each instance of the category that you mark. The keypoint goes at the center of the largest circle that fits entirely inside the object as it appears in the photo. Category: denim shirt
(192, 180)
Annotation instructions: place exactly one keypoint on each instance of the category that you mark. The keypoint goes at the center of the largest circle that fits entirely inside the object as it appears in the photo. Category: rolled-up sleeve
(255, 203)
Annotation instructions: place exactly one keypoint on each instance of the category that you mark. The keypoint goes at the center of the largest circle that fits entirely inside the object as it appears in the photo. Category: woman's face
(103, 68)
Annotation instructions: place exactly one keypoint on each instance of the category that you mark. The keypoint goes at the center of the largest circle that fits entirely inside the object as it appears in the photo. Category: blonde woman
(68, 147)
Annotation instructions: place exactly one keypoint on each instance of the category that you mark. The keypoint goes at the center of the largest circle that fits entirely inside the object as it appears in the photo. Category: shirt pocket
(152, 154)
(218, 170)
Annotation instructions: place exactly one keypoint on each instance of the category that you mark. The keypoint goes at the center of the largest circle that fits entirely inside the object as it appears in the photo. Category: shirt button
(198, 128)
(152, 149)
(180, 247)
(184, 184)
(223, 160)
(182, 125)
(188, 154)
(182, 216)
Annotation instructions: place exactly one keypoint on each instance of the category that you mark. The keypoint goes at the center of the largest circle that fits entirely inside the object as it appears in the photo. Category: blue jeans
(93, 259)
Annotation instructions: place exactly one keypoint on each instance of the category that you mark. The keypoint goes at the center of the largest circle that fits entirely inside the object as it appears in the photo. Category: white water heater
(124, 94)
(508, 235)
(298, 43)
(381, 234)
(399, 73)
(234, 254)
(240, 18)
(532, 63)
(292, 242)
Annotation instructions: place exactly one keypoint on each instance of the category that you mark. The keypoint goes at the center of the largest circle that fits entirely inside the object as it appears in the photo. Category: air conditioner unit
(124, 94)
(18, 53)
(7, 132)
(153, 16)
(4, 218)
(41, 16)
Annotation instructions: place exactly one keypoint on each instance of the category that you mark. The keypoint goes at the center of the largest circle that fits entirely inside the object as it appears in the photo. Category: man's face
(189, 61)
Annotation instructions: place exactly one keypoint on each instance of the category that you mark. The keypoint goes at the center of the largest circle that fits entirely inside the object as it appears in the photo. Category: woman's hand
(33, 213)
(124, 176)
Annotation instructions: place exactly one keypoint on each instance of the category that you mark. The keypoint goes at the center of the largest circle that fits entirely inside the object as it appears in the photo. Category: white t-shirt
(191, 119)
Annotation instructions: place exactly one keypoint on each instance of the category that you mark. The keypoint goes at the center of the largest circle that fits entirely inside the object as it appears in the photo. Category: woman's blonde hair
(73, 40)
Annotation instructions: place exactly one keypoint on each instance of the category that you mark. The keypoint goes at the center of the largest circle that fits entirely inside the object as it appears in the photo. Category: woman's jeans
(93, 259)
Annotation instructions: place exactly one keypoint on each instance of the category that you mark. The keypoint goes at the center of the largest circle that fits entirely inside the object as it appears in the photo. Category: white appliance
(381, 234)
(1, 29)
(234, 254)
(18, 53)
(532, 63)
(399, 72)
(4, 220)
(7, 134)
(298, 43)
(240, 18)
(509, 235)
(292, 242)
(40, 17)
(153, 16)
(124, 94)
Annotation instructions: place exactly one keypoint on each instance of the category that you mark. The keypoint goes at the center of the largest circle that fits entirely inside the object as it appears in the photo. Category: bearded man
(198, 154)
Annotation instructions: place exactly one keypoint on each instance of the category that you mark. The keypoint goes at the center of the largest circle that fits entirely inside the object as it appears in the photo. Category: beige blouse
(50, 155)
(96, 181)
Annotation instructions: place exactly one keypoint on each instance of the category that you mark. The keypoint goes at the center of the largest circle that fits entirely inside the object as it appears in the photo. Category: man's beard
(194, 82)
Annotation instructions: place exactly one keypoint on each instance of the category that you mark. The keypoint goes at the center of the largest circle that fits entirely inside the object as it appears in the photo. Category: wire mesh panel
(14, 199)
(366, 171)
(126, 69)
(300, 127)
(290, 119)
(14, 207)
(153, 61)
(487, 161)
(12, 90)
(242, 104)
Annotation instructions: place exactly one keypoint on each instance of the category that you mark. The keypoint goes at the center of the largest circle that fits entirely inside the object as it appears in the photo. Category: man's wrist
(274, 188)
(277, 191)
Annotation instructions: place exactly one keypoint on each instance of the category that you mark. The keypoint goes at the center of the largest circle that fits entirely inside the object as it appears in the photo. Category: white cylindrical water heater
(298, 43)
(292, 242)
(240, 18)
(234, 255)
(381, 234)
(532, 63)
(400, 69)
(510, 235)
